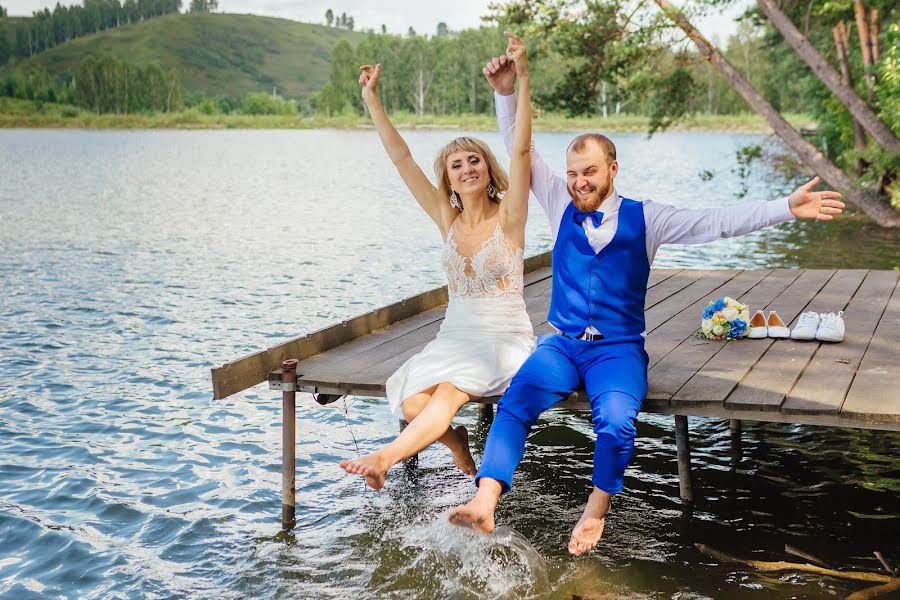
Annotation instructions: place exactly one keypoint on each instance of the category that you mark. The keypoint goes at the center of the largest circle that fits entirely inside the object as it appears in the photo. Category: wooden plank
(657, 276)
(669, 286)
(669, 374)
(680, 330)
(771, 379)
(686, 323)
(875, 392)
(717, 411)
(826, 380)
(659, 313)
(713, 382)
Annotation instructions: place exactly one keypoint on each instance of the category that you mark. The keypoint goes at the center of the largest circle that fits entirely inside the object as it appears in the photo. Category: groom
(603, 247)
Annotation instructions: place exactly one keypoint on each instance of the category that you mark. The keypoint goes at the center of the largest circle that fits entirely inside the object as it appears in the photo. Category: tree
(826, 73)
(383, 29)
(442, 29)
(879, 211)
(329, 17)
(342, 22)
(411, 32)
(350, 23)
(3, 12)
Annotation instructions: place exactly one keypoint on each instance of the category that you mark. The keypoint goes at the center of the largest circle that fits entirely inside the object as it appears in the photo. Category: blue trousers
(614, 373)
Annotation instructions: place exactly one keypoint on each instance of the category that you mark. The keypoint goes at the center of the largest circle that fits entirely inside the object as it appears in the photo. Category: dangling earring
(454, 200)
(491, 191)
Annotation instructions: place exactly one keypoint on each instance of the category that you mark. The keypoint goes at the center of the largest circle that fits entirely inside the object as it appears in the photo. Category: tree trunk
(420, 92)
(603, 99)
(879, 211)
(826, 73)
(842, 44)
(865, 45)
(873, 34)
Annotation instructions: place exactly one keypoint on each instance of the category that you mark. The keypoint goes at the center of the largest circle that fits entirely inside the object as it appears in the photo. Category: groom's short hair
(580, 142)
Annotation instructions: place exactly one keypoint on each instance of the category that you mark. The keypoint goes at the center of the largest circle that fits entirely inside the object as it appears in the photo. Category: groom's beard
(591, 202)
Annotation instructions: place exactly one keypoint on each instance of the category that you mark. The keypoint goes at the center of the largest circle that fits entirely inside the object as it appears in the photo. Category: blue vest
(605, 289)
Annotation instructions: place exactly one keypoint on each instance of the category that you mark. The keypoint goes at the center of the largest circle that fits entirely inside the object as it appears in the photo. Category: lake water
(132, 262)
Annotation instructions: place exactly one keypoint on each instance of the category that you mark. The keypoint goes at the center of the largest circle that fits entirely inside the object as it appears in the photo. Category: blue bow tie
(596, 217)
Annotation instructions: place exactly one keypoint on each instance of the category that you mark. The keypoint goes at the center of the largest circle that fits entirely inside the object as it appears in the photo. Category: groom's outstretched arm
(667, 224)
(549, 189)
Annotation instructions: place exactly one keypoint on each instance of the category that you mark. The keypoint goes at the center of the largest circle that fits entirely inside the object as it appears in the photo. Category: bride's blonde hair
(496, 174)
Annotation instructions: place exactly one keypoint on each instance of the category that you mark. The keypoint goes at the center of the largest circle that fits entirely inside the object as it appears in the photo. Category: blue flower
(709, 311)
(719, 304)
(738, 329)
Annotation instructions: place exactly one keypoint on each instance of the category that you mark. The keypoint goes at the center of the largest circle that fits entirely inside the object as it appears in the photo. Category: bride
(486, 334)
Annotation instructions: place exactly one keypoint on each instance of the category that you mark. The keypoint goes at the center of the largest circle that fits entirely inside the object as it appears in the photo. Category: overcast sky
(398, 15)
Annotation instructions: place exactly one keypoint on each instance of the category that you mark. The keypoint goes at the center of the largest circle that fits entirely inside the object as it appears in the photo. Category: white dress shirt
(666, 224)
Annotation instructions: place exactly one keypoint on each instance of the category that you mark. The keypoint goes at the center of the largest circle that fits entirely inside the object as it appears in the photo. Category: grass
(219, 54)
(27, 114)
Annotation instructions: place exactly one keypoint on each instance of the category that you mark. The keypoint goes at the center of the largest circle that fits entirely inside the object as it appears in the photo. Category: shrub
(260, 103)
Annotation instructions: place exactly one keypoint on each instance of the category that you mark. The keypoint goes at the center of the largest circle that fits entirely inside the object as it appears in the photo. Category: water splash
(470, 564)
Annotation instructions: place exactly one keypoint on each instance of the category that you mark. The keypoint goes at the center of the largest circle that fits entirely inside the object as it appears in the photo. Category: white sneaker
(806, 327)
(832, 328)
(776, 327)
(758, 329)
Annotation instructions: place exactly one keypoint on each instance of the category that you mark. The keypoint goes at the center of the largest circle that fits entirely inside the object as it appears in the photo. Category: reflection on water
(132, 262)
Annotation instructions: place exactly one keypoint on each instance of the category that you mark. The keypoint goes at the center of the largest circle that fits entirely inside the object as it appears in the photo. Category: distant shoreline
(23, 114)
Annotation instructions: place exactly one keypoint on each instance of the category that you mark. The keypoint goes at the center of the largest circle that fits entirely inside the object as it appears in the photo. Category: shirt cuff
(779, 211)
(506, 105)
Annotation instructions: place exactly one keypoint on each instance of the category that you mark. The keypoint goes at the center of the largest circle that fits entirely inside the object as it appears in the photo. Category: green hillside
(219, 54)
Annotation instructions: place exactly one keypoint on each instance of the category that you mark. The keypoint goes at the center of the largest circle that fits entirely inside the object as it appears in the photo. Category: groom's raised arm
(549, 189)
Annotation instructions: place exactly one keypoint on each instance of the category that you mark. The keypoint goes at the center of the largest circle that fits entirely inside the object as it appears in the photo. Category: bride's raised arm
(418, 183)
(515, 202)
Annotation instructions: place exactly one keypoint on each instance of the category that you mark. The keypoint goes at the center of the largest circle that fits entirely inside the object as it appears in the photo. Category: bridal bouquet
(725, 319)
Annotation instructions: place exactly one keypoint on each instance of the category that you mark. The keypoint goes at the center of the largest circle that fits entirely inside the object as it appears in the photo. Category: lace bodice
(495, 270)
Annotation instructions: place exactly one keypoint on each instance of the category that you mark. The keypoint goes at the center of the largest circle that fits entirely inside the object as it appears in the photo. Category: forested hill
(218, 54)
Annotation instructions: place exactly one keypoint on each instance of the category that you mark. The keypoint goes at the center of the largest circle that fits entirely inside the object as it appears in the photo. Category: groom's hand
(807, 204)
(501, 74)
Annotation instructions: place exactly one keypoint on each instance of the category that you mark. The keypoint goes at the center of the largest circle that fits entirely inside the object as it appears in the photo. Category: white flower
(717, 330)
(730, 314)
(707, 326)
(745, 315)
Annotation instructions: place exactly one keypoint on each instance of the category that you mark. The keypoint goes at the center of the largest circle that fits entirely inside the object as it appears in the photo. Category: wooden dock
(855, 383)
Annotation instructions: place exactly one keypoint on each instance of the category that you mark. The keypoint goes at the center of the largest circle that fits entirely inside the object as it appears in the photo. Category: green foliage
(888, 69)
(46, 30)
(204, 6)
(108, 85)
(438, 75)
(218, 54)
(259, 103)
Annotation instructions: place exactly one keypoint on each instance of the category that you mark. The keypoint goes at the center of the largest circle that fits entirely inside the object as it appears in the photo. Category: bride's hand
(368, 79)
(517, 53)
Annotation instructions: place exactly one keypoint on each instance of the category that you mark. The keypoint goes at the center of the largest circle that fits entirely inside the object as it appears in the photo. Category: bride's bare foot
(371, 466)
(589, 529)
(479, 512)
(463, 457)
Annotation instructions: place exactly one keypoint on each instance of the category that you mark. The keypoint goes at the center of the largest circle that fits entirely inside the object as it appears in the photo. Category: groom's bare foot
(371, 466)
(463, 457)
(479, 512)
(589, 529)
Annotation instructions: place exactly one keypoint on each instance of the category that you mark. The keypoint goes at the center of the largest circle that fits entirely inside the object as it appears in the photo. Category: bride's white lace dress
(486, 334)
